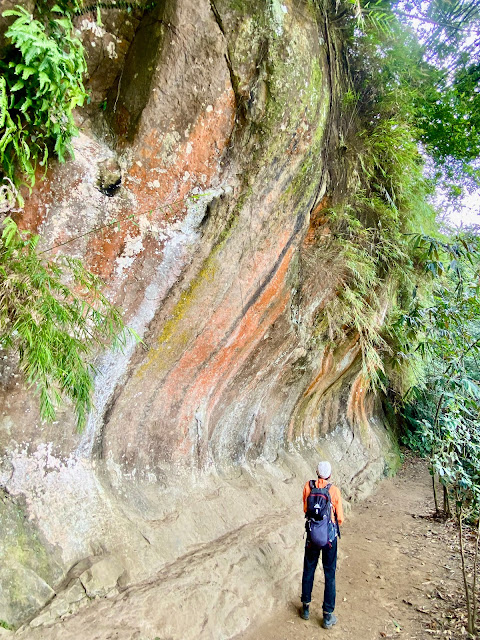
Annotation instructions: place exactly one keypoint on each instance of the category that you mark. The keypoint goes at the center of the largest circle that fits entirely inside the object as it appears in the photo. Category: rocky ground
(399, 572)
(398, 577)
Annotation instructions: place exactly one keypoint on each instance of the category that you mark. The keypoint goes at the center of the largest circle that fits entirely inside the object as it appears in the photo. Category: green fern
(384, 192)
(40, 86)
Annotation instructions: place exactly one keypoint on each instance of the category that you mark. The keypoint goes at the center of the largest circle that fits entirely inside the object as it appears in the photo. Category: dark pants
(329, 562)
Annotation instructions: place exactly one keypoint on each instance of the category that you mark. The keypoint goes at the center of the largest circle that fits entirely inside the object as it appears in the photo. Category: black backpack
(320, 529)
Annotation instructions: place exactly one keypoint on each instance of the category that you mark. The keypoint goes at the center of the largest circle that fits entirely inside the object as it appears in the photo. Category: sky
(467, 214)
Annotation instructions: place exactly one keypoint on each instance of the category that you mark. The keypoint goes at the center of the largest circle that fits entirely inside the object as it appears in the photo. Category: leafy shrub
(443, 418)
(379, 194)
(40, 85)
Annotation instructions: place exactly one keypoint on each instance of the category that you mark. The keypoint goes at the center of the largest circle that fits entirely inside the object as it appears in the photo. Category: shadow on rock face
(109, 177)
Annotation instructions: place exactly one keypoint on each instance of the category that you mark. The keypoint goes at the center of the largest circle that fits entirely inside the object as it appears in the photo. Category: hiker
(323, 529)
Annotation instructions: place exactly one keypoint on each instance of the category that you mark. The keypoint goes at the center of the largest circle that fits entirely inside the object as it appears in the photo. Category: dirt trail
(398, 577)
(398, 573)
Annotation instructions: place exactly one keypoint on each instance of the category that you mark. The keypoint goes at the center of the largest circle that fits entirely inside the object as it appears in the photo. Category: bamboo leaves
(53, 314)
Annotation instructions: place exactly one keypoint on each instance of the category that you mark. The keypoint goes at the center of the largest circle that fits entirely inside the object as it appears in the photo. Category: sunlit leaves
(448, 106)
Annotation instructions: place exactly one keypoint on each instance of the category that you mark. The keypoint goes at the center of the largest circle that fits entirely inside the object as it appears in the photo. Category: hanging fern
(40, 86)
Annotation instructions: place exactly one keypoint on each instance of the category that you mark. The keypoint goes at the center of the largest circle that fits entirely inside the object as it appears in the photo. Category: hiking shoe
(329, 619)
(305, 612)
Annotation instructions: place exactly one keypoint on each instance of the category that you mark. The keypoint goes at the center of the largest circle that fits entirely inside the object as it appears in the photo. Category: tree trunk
(470, 622)
(475, 559)
(446, 502)
(435, 499)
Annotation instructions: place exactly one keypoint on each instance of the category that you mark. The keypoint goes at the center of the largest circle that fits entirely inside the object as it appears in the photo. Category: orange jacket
(337, 508)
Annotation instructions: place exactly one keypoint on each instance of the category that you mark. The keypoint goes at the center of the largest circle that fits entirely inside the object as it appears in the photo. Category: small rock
(109, 177)
(74, 593)
(59, 607)
(43, 619)
(102, 577)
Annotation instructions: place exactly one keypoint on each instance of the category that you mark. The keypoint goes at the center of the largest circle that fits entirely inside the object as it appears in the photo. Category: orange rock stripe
(229, 360)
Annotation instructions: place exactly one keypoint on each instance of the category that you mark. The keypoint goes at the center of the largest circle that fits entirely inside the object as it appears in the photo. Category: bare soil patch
(398, 573)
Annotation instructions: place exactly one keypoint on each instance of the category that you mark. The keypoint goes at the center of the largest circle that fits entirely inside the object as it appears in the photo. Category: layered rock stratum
(198, 193)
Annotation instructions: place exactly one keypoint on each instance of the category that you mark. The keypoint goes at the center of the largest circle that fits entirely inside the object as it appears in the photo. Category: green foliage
(449, 124)
(40, 85)
(419, 437)
(385, 196)
(437, 62)
(356, 307)
(5, 625)
(442, 415)
(54, 316)
(376, 15)
(445, 410)
(446, 28)
(399, 96)
(447, 107)
(83, 7)
(456, 106)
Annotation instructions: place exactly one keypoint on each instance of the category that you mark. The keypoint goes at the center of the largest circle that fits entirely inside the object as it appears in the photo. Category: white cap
(324, 469)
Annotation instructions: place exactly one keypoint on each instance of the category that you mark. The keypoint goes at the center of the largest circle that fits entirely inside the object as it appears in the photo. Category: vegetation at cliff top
(386, 192)
(389, 121)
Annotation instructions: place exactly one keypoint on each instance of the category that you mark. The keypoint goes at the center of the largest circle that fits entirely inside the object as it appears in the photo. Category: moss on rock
(29, 567)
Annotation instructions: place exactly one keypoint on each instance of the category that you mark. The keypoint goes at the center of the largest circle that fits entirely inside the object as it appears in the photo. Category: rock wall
(206, 139)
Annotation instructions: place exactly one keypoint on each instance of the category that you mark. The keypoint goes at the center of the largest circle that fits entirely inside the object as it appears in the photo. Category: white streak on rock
(113, 365)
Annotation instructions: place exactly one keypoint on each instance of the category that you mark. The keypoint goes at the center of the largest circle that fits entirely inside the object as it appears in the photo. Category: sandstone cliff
(208, 138)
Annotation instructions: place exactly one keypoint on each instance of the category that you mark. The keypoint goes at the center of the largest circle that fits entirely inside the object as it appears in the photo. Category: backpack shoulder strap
(312, 484)
(330, 495)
